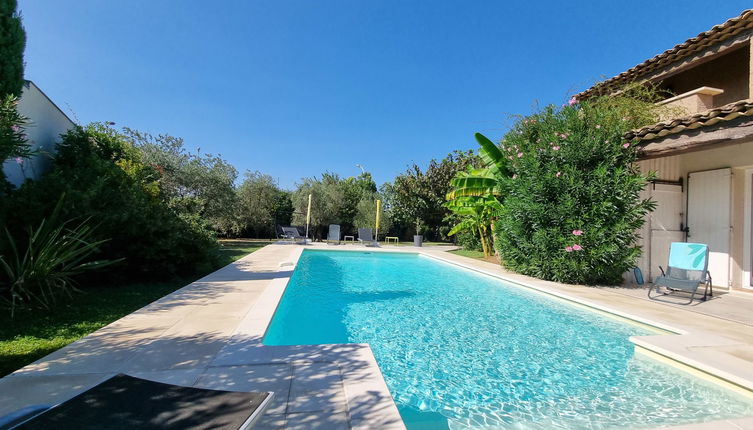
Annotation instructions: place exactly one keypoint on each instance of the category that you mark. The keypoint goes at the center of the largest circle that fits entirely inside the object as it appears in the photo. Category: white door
(709, 198)
(666, 225)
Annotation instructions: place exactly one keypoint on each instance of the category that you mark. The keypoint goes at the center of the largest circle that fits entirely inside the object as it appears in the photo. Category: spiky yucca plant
(38, 273)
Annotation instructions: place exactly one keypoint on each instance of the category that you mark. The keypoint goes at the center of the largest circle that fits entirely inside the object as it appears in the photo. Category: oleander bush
(572, 205)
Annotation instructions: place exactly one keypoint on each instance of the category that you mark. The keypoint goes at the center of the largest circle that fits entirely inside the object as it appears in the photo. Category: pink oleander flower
(572, 101)
(556, 148)
(19, 160)
(598, 126)
(606, 141)
(568, 249)
(577, 247)
(557, 175)
(577, 232)
(626, 145)
(520, 155)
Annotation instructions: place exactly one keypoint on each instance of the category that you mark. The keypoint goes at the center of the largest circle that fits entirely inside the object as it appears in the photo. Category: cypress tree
(12, 45)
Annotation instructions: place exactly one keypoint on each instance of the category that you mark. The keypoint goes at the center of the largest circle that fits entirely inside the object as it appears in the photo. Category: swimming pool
(459, 349)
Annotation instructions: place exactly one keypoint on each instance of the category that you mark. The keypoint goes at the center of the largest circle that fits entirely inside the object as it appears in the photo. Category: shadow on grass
(34, 333)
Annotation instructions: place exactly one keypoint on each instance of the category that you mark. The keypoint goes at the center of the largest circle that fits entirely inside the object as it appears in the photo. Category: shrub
(102, 176)
(39, 271)
(572, 206)
(469, 241)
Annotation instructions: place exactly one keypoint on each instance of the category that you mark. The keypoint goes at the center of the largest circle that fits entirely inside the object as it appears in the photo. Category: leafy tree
(194, 185)
(263, 205)
(416, 198)
(12, 136)
(366, 213)
(12, 45)
(335, 200)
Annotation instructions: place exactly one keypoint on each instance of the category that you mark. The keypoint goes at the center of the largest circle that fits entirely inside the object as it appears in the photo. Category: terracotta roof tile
(707, 118)
(718, 33)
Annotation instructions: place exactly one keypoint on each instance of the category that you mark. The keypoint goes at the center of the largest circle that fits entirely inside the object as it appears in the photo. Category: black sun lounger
(124, 402)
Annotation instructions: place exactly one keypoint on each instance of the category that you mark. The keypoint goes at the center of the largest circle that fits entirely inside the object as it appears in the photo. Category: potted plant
(418, 238)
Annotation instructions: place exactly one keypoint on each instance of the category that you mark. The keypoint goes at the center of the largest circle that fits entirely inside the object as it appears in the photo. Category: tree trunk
(483, 240)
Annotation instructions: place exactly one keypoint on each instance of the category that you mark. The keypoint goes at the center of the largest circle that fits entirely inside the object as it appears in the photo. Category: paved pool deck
(208, 334)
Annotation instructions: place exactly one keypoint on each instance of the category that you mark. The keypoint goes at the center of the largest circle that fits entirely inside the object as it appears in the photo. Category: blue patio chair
(686, 271)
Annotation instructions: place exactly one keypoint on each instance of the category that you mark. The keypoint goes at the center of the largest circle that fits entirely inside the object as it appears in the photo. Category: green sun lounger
(686, 271)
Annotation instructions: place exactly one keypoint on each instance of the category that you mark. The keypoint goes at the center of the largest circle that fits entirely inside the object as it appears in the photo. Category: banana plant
(477, 215)
(487, 180)
(475, 193)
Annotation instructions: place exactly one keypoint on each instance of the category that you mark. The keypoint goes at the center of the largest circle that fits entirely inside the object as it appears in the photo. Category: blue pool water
(461, 350)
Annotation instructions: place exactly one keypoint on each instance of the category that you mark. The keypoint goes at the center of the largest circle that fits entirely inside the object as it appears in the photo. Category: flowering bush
(572, 206)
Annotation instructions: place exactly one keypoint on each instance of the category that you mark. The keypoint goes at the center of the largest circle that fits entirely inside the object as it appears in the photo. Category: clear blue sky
(295, 88)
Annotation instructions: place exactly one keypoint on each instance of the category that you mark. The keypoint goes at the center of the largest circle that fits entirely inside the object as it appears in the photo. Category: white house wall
(738, 157)
(48, 122)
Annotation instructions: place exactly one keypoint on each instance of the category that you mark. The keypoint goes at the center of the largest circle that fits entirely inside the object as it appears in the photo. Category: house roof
(718, 33)
(707, 118)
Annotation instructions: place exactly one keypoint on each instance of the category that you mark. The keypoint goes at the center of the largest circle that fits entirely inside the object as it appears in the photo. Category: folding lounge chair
(125, 402)
(686, 271)
(365, 237)
(293, 234)
(333, 235)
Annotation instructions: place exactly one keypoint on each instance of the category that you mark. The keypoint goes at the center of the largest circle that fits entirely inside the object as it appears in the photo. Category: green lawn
(32, 334)
(469, 253)
(426, 243)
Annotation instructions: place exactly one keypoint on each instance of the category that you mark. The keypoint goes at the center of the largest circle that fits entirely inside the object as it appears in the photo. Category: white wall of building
(738, 158)
(48, 122)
